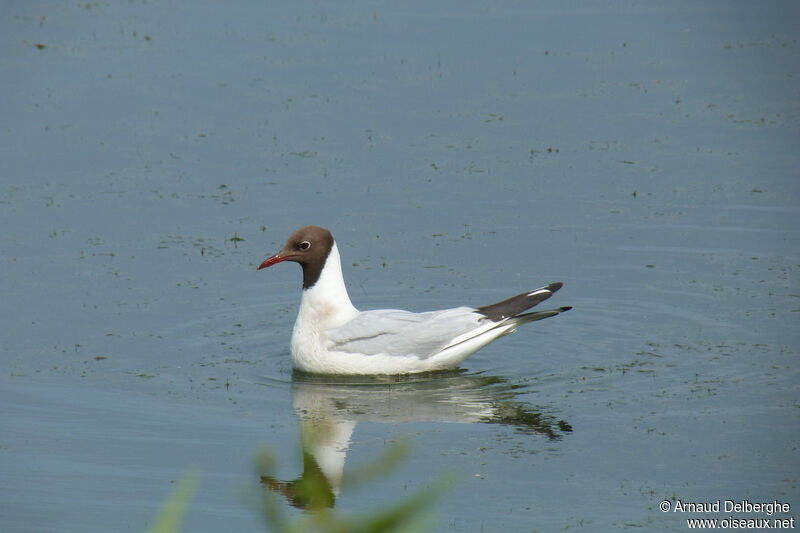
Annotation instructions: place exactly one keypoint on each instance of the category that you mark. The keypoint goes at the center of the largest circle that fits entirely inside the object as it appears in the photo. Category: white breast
(324, 306)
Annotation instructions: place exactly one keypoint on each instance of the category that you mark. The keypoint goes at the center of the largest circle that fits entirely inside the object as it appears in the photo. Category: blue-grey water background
(645, 154)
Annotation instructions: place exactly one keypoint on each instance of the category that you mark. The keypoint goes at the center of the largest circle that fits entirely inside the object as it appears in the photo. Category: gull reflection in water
(329, 407)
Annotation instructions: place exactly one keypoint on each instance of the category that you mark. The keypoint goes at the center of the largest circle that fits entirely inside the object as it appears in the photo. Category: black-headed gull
(331, 336)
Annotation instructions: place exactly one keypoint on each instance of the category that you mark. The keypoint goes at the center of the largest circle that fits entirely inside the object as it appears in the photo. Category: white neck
(327, 301)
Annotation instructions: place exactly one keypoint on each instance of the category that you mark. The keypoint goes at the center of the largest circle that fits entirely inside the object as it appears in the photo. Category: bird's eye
(305, 245)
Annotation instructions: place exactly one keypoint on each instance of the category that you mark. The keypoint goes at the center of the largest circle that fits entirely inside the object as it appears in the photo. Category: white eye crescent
(305, 245)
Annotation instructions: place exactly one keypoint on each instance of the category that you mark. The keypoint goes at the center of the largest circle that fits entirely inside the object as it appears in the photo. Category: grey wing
(402, 333)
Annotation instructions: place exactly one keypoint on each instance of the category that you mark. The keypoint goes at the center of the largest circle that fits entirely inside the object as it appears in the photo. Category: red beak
(277, 258)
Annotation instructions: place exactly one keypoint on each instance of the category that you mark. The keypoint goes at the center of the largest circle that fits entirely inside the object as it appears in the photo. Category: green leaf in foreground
(312, 493)
(171, 515)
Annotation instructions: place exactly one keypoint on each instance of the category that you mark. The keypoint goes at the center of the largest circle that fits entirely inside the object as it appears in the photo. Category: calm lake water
(153, 153)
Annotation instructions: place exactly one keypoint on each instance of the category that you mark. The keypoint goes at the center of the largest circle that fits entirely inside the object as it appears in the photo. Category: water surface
(152, 154)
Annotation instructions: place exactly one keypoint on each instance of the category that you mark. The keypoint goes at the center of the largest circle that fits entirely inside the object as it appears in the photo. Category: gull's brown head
(309, 246)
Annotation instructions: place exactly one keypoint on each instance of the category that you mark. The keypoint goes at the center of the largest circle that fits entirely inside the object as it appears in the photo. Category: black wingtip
(553, 287)
(565, 309)
(517, 304)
